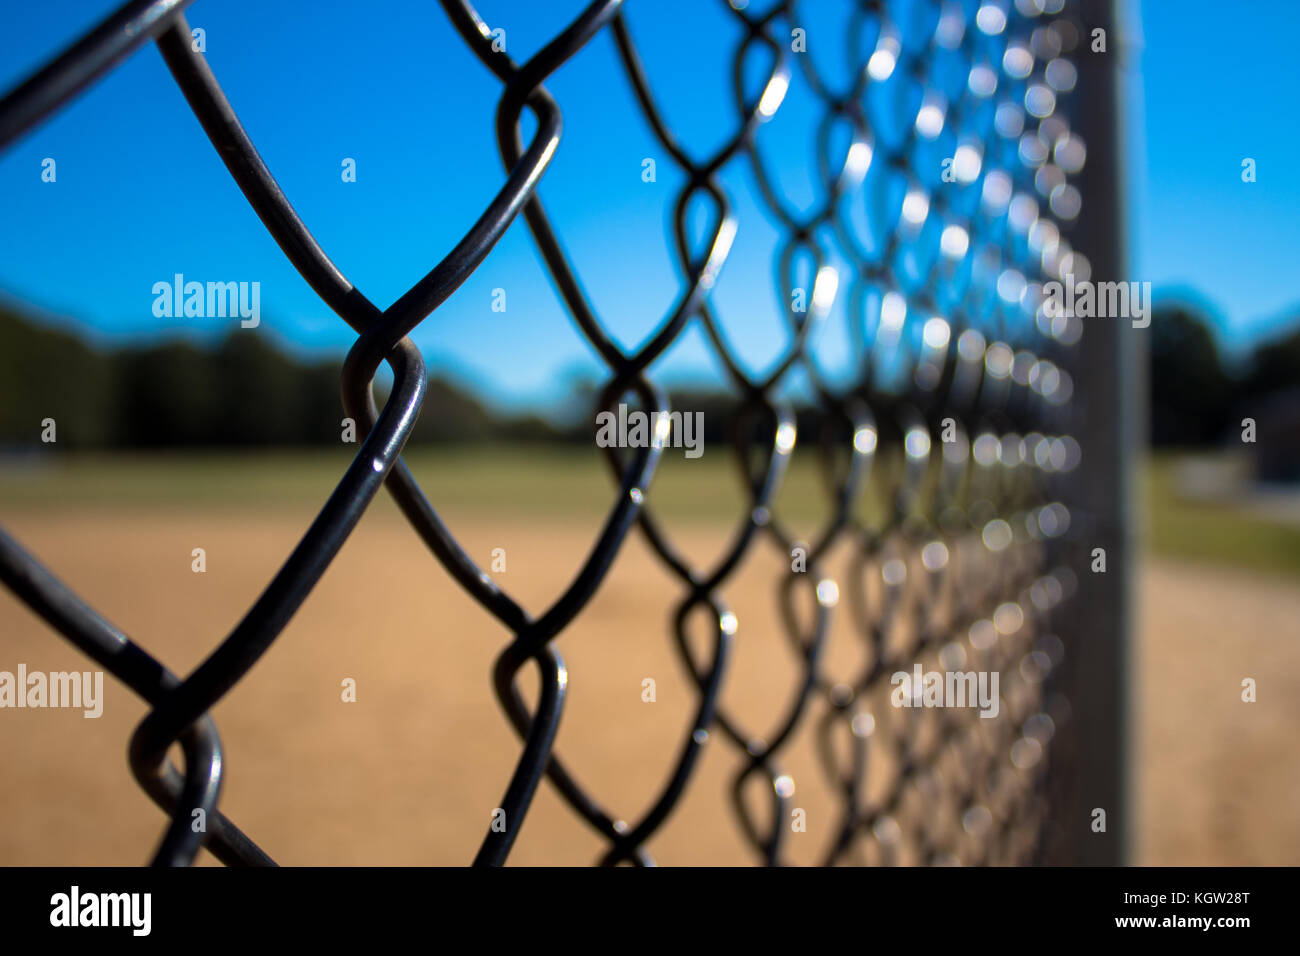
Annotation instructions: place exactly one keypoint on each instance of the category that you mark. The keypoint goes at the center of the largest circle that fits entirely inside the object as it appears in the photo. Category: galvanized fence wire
(959, 419)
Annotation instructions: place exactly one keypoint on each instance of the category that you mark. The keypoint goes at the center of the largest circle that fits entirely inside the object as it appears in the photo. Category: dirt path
(410, 773)
(1217, 780)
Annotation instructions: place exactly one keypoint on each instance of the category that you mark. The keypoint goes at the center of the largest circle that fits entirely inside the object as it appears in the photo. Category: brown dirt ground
(409, 774)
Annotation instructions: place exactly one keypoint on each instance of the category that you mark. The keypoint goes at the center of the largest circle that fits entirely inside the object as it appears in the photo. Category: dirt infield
(1217, 779)
(410, 773)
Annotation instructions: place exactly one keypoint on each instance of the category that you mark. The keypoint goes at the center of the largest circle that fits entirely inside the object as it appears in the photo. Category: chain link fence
(947, 171)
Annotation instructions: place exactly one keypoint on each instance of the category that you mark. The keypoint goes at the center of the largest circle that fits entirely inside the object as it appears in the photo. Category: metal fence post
(1111, 425)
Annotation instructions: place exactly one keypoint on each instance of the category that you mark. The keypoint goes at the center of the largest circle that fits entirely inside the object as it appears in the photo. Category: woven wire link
(957, 419)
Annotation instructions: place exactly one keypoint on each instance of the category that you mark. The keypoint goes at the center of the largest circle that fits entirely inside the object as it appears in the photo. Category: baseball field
(410, 772)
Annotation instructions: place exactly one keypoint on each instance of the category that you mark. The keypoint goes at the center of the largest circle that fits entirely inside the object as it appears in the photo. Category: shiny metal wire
(959, 418)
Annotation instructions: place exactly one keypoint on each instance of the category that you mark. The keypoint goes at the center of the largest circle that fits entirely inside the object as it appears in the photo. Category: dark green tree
(1191, 394)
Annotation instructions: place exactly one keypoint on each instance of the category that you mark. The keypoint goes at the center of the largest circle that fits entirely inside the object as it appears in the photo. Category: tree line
(241, 392)
(245, 392)
(1195, 397)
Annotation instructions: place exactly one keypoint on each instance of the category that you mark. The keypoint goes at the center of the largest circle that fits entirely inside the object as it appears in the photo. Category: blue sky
(141, 194)
(1221, 83)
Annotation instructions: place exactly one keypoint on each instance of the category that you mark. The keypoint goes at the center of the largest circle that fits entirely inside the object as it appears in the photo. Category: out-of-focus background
(180, 433)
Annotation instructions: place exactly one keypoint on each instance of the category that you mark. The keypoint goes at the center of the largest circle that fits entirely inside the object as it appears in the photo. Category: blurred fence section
(952, 163)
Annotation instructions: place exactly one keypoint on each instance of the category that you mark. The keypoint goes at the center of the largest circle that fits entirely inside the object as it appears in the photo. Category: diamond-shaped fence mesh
(946, 173)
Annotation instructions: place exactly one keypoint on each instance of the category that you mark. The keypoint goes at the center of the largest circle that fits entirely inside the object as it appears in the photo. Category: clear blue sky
(141, 194)
(1221, 83)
